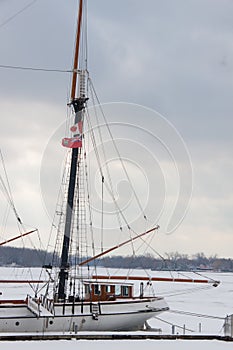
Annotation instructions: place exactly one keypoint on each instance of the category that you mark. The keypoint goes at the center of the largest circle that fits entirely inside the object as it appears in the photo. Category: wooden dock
(108, 336)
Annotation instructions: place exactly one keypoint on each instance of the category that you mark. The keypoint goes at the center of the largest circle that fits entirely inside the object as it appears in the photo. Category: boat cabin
(104, 291)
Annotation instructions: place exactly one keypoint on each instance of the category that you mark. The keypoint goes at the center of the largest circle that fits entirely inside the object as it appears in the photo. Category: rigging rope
(89, 210)
(7, 190)
(5, 219)
(21, 227)
(36, 69)
(102, 214)
(105, 157)
(116, 149)
(17, 13)
(184, 291)
(196, 314)
(104, 154)
(200, 274)
(172, 324)
(101, 172)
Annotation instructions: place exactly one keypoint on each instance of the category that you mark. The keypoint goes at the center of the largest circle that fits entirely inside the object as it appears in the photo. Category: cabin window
(117, 290)
(125, 291)
(96, 289)
(108, 289)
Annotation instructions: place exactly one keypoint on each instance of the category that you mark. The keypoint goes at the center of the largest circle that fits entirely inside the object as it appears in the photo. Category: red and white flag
(72, 142)
(78, 127)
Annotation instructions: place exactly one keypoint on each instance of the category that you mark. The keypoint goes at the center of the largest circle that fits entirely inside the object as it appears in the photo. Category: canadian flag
(72, 142)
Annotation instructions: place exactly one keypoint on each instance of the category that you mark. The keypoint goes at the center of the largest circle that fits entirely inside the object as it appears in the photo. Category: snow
(117, 344)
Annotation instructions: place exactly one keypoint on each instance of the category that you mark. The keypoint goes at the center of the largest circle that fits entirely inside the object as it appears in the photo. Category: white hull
(104, 316)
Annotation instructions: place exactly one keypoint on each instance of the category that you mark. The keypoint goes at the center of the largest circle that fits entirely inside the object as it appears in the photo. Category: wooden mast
(76, 55)
(78, 103)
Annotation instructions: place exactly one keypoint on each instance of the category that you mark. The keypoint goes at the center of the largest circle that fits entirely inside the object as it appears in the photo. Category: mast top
(76, 54)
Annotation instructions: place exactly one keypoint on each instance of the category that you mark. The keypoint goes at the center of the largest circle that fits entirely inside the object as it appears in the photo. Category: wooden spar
(117, 246)
(153, 279)
(22, 281)
(76, 55)
(17, 237)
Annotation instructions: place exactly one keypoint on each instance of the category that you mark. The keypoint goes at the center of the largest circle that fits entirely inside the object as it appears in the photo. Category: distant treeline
(172, 261)
(24, 257)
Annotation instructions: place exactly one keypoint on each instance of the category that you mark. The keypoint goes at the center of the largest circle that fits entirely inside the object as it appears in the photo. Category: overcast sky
(172, 56)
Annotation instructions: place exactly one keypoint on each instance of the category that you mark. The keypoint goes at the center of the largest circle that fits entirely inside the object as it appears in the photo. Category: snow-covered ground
(203, 299)
(118, 344)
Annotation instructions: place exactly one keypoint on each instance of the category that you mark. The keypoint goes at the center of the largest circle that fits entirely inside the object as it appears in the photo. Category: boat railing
(40, 306)
(33, 305)
(47, 303)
